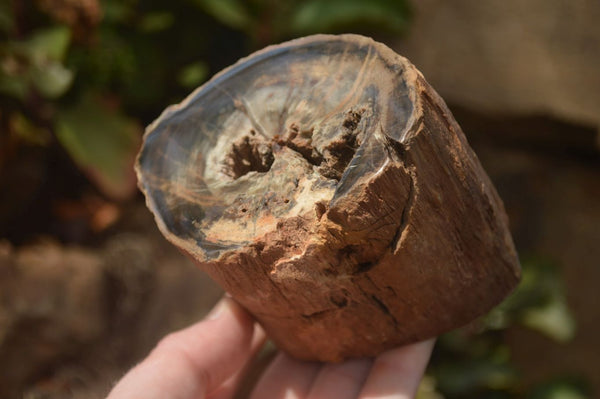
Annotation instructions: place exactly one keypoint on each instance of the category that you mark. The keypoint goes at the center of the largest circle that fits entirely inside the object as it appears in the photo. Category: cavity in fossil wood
(326, 186)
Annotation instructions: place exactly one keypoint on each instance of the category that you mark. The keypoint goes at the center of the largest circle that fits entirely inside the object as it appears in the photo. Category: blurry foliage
(475, 362)
(88, 74)
(106, 150)
(269, 20)
(539, 304)
(36, 64)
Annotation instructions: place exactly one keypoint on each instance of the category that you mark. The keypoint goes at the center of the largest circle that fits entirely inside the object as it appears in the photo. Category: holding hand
(208, 359)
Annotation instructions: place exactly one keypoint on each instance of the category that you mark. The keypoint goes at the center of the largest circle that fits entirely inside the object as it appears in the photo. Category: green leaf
(51, 79)
(117, 11)
(36, 62)
(193, 74)
(328, 15)
(103, 143)
(562, 388)
(564, 393)
(156, 22)
(538, 303)
(51, 43)
(460, 378)
(232, 13)
(27, 131)
(553, 319)
(427, 389)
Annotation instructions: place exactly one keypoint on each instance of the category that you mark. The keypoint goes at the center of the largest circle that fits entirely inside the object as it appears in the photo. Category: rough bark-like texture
(326, 186)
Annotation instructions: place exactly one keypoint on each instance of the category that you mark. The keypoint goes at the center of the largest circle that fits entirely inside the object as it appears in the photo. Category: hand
(208, 359)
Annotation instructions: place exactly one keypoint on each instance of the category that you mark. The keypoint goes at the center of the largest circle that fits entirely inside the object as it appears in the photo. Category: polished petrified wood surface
(326, 186)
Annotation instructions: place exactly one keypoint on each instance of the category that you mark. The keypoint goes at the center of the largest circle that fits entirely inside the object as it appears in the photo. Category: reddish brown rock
(326, 186)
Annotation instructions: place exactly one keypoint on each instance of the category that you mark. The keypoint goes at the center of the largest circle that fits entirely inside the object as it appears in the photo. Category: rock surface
(511, 56)
(326, 186)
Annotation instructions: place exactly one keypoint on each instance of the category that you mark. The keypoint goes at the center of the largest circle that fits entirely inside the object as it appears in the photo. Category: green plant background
(84, 77)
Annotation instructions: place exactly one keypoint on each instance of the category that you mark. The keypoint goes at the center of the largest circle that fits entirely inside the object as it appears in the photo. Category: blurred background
(88, 285)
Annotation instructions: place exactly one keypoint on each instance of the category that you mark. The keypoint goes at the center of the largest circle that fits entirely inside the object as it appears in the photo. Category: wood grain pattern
(326, 186)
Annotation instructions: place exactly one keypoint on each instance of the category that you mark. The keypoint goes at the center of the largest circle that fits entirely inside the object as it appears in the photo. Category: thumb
(193, 362)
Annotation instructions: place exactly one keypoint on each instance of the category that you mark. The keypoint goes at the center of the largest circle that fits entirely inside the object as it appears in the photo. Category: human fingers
(195, 361)
(230, 387)
(396, 374)
(286, 378)
(340, 381)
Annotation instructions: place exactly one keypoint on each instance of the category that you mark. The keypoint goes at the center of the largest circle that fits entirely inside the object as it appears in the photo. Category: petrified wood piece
(326, 186)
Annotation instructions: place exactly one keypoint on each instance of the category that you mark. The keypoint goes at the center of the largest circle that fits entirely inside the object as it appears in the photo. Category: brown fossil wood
(326, 186)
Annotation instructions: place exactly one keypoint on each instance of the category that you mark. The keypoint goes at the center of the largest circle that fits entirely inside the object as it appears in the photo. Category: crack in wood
(318, 314)
(385, 310)
(404, 218)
